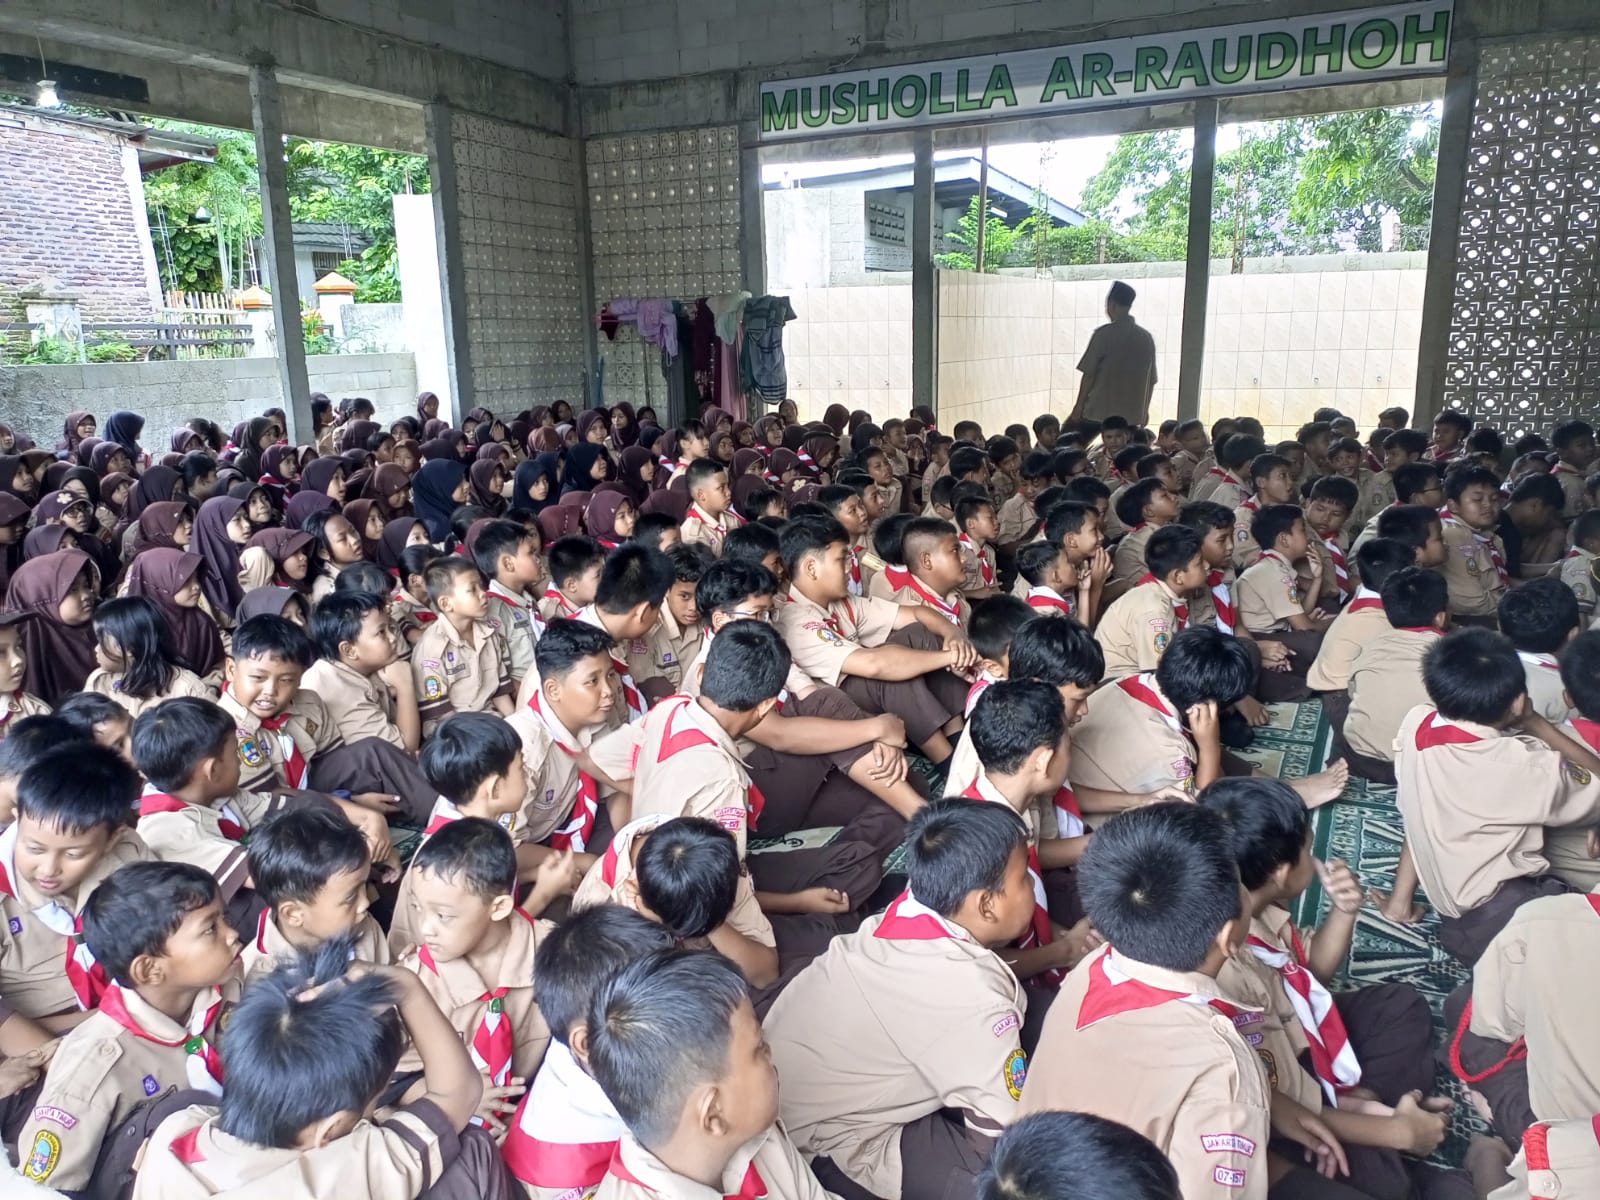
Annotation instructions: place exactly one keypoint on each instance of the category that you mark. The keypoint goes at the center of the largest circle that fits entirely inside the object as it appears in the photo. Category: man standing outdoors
(1119, 366)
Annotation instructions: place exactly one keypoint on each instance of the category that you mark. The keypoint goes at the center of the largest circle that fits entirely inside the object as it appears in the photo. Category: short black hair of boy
(571, 556)
(659, 1028)
(647, 530)
(293, 854)
(1337, 490)
(805, 537)
(138, 908)
(1042, 421)
(1413, 597)
(1458, 479)
(995, 622)
(1205, 515)
(746, 665)
(1011, 720)
(966, 460)
(466, 749)
(1086, 489)
(1240, 449)
(1580, 674)
(32, 738)
(688, 562)
(943, 488)
(1408, 524)
(1210, 665)
(1036, 465)
(700, 472)
(1484, 440)
(727, 582)
(1263, 465)
(85, 711)
(1002, 448)
(582, 952)
(473, 853)
(955, 847)
(687, 872)
(1459, 420)
(76, 787)
(1266, 820)
(1127, 458)
(1539, 616)
(1585, 529)
(573, 641)
(969, 507)
(1273, 521)
(363, 576)
(1407, 441)
(750, 542)
(1057, 651)
(1068, 517)
(440, 578)
(337, 619)
(495, 539)
(1114, 422)
(351, 1032)
(1149, 464)
(1382, 557)
(1130, 505)
(1473, 675)
(889, 535)
(170, 739)
(1170, 548)
(1413, 477)
(1159, 883)
(269, 636)
(1539, 485)
(1569, 431)
(1034, 559)
(1075, 1156)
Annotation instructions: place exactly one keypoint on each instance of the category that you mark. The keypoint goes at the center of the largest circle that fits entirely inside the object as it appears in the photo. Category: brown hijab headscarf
(159, 575)
(60, 656)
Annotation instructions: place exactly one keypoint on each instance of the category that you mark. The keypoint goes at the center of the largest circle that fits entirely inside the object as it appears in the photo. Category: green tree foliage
(1003, 245)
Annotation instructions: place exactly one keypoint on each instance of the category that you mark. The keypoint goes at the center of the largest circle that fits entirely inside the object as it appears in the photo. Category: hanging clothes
(762, 368)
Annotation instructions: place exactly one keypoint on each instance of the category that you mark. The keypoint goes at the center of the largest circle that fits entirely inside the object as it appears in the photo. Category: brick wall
(65, 212)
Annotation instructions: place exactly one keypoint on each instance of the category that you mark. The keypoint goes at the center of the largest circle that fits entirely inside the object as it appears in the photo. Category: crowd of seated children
(519, 808)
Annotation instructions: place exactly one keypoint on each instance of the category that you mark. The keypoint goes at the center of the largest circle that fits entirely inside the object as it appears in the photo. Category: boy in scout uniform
(1480, 776)
(1357, 624)
(914, 1015)
(69, 836)
(1272, 481)
(1568, 849)
(1017, 515)
(675, 1045)
(507, 554)
(1228, 483)
(157, 931)
(1143, 1032)
(1273, 603)
(575, 563)
(866, 646)
(710, 517)
(365, 689)
(459, 662)
(276, 1135)
(1573, 442)
(846, 504)
(1143, 508)
(667, 650)
(1475, 567)
(932, 573)
(627, 608)
(1578, 567)
(1541, 617)
(1139, 625)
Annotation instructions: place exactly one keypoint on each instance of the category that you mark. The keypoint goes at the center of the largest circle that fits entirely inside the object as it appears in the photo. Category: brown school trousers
(1280, 687)
(925, 703)
(940, 1160)
(373, 765)
(1488, 1067)
(1466, 937)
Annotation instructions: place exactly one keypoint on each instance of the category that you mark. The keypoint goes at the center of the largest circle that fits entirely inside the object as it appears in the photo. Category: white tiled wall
(851, 346)
(519, 248)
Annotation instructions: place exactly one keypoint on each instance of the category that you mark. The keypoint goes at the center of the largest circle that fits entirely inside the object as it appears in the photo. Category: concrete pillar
(752, 217)
(277, 239)
(924, 282)
(447, 234)
(588, 304)
(1197, 261)
(1449, 182)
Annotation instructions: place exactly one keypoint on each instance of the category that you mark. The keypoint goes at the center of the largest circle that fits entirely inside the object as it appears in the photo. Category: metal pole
(924, 282)
(983, 200)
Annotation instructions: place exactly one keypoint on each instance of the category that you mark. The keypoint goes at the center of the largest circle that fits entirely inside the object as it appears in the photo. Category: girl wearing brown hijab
(367, 521)
(354, 435)
(277, 558)
(427, 406)
(610, 516)
(275, 602)
(545, 440)
(167, 524)
(16, 480)
(78, 425)
(47, 539)
(635, 470)
(13, 530)
(390, 487)
(58, 592)
(398, 536)
(221, 530)
(157, 484)
(836, 417)
(485, 479)
(325, 475)
(408, 455)
(173, 579)
(108, 458)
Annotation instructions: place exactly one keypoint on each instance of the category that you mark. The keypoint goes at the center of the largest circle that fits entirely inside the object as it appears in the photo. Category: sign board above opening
(1316, 51)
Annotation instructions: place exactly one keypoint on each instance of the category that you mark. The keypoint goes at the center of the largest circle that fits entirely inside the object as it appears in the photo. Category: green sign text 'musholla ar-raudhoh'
(1377, 43)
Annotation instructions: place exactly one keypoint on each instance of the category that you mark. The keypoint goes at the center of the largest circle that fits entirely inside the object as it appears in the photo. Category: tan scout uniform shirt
(1114, 527)
(1557, 1158)
(1279, 1039)
(269, 947)
(395, 1155)
(1377, 493)
(664, 652)
(700, 527)
(402, 938)
(688, 766)
(1131, 740)
(1575, 498)
(1475, 802)
(194, 833)
(1165, 1053)
(780, 1174)
(360, 706)
(461, 989)
(1120, 363)
(1268, 594)
(1246, 550)
(1127, 564)
(1476, 585)
(1545, 691)
(452, 676)
(975, 556)
(1230, 493)
(1577, 572)
(550, 760)
(1385, 684)
(183, 683)
(36, 929)
(101, 1072)
(606, 882)
(821, 639)
(15, 707)
(516, 616)
(1015, 518)
(1135, 631)
(904, 1017)
(265, 754)
(1535, 981)
(1360, 622)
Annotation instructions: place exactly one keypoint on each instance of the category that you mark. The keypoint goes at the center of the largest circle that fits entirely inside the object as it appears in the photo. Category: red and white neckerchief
(1049, 600)
(1251, 504)
(1225, 476)
(565, 1130)
(1435, 730)
(1112, 991)
(1575, 552)
(564, 607)
(806, 460)
(979, 686)
(751, 1187)
(443, 813)
(531, 609)
(907, 919)
(492, 1044)
(1222, 600)
(295, 768)
(611, 860)
(1341, 571)
(1333, 1058)
(608, 543)
(1365, 600)
(1180, 607)
(87, 977)
(1588, 731)
(949, 610)
(985, 567)
(1142, 687)
(713, 527)
(675, 740)
(228, 822)
(1039, 932)
(202, 1064)
(1069, 817)
(855, 571)
(271, 480)
(424, 615)
(1548, 661)
(574, 835)
(1564, 468)
(630, 690)
(896, 577)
